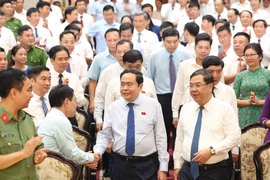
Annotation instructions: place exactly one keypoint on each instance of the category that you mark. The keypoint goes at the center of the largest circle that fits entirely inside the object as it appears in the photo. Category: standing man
(21, 147)
(233, 18)
(86, 20)
(140, 141)
(39, 105)
(220, 10)
(202, 145)
(124, 8)
(162, 69)
(35, 55)
(98, 7)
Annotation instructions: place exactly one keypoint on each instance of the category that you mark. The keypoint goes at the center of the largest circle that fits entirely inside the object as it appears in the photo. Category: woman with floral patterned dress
(251, 86)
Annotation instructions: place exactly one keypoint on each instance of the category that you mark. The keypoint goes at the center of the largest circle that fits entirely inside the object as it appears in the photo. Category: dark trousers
(135, 169)
(230, 165)
(165, 101)
(212, 172)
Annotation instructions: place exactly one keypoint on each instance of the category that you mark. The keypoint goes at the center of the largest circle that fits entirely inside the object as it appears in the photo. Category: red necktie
(81, 20)
(218, 17)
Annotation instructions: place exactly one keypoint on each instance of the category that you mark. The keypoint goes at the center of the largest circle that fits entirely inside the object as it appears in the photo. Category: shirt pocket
(10, 145)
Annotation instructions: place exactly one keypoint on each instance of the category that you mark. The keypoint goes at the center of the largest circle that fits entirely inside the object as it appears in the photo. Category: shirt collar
(137, 101)
(6, 114)
(55, 110)
(37, 97)
(208, 106)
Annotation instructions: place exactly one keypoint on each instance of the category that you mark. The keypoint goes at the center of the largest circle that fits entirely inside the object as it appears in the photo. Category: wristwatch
(212, 150)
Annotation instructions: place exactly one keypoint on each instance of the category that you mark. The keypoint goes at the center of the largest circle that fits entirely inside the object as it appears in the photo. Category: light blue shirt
(57, 134)
(97, 8)
(98, 30)
(159, 65)
(150, 132)
(100, 62)
(120, 6)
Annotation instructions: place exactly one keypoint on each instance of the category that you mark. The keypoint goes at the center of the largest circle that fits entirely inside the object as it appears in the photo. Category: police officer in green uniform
(12, 23)
(20, 146)
(35, 55)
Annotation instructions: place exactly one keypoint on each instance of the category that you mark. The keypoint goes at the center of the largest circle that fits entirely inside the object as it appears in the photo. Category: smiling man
(136, 125)
(206, 131)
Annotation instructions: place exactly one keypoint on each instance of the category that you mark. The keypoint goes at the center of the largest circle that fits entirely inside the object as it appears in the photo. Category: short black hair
(2, 50)
(112, 30)
(2, 13)
(108, 7)
(56, 49)
(212, 61)
(260, 20)
(203, 37)
(209, 18)
(36, 70)
(31, 10)
(166, 24)
(11, 78)
(126, 16)
(170, 32)
(132, 56)
(64, 33)
(242, 34)
(77, 1)
(192, 28)
(224, 28)
(121, 42)
(68, 10)
(138, 74)
(236, 12)
(194, 4)
(3, 2)
(223, 21)
(72, 27)
(147, 5)
(246, 11)
(126, 26)
(41, 4)
(59, 94)
(23, 28)
(75, 22)
(207, 76)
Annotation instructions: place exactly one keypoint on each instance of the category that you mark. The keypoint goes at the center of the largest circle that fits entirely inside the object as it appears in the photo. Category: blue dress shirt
(100, 62)
(97, 8)
(159, 65)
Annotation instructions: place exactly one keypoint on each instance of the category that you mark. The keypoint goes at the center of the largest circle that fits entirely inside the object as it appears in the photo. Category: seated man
(57, 130)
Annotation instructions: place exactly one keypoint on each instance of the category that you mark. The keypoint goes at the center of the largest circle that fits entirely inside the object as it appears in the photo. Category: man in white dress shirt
(7, 39)
(233, 18)
(86, 20)
(194, 10)
(225, 40)
(180, 16)
(207, 130)
(143, 36)
(149, 9)
(207, 7)
(241, 5)
(265, 5)
(246, 21)
(168, 9)
(136, 125)
(261, 38)
(220, 10)
(20, 12)
(257, 12)
(39, 105)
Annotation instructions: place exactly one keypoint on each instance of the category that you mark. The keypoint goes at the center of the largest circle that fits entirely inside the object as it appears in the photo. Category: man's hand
(65, 82)
(91, 106)
(176, 174)
(40, 155)
(99, 127)
(234, 158)
(175, 122)
(221, 55)
(109, 148)
(92, 165)
(45, 23)
(202, 156)
(126, 8)
(97, 157)
(162, 175)
(31, 145)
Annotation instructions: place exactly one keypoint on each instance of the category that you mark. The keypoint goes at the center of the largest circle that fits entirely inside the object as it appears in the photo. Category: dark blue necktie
(130, 141)
(172, 73)
(213, 93)
(68, 68)
(60, 79)
(44, 106)
(194, 167)
(36, 34)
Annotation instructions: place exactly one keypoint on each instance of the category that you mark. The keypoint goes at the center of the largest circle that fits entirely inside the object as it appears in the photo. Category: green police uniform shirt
(13, 135)
(14, 24)
(35, 56)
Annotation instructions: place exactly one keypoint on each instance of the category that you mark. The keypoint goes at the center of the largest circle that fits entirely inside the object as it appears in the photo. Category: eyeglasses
(250, 55)
(196, 86)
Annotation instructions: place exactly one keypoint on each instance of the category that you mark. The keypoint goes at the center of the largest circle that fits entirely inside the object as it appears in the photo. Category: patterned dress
(257, 81)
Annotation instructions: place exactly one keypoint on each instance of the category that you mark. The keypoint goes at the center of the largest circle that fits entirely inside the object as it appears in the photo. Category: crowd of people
(199, 69)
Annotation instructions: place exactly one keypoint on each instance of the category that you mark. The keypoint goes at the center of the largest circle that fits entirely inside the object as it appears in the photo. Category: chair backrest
(252, 137)
(82, 138)
(82, 119)
(56, 166)
(86, 106)
(262, 161)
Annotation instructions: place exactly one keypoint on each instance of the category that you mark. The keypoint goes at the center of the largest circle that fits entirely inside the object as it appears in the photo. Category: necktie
(36, 35)
(172, 73)
(233, 27)
(194, 167)
(60, 79)
(130, 140)
(218, 17)
(139, 37)
(81, 20)
(68, 68)
(213, 92)
(239, 64)
(259, 41)
(44, 106)
(173, 7)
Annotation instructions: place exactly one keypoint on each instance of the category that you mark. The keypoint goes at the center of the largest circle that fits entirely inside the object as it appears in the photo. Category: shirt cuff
(235, 150)
(163, 166)
(99, 120)
(178, 163)
(175, 114)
